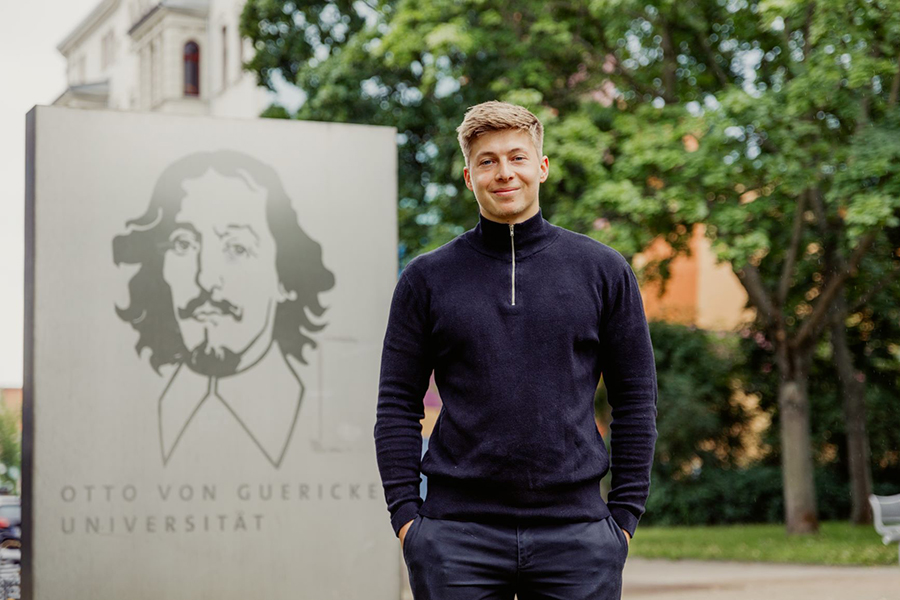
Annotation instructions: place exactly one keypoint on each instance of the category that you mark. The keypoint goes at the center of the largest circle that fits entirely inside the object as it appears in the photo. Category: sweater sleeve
(405, 372)
(629, 373)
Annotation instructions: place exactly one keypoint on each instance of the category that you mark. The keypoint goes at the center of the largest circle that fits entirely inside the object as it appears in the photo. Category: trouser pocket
(620, 534)
(410, 536)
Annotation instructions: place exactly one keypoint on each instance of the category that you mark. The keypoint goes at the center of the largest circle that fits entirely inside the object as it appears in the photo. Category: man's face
(505, 173)
(220, 266)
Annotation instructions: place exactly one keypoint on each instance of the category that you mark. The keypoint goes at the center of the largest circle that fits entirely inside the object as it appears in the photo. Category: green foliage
(10, 447)
(715, 496)
(698, 373)
(659, 115)
(697, 376)
(870, 332)
(698, 419)
(275, 111)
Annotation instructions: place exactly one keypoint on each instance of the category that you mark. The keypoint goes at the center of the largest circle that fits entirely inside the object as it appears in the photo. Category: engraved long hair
(298, 259)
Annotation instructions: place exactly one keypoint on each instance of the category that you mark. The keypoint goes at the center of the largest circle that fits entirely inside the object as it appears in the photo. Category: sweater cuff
(624, 519)
(406, 513)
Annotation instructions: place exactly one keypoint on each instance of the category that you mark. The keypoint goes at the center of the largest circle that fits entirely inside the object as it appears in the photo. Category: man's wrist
(625, 519)
(403, 515)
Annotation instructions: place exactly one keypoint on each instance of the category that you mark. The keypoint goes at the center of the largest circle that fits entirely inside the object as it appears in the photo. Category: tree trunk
(800, 513)
(854, 395)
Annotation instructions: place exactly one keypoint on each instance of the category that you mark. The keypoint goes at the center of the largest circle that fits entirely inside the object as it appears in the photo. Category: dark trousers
(462, 560)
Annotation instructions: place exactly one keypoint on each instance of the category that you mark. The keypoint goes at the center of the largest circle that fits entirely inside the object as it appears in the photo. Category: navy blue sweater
(518, 324)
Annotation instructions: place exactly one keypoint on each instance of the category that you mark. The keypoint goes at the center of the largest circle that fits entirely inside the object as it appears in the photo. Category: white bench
(886, 514)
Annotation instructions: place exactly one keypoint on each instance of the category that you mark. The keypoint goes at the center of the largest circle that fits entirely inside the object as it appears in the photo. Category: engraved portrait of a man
(226, 291)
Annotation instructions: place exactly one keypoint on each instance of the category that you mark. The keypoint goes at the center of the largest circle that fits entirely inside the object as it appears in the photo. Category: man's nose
(504, 171)
(209, 269)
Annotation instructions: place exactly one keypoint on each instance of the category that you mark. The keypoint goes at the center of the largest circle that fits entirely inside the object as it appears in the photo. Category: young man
(518, 319)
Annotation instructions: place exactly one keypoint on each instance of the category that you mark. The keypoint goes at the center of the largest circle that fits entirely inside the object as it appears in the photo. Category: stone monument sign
(205, 304)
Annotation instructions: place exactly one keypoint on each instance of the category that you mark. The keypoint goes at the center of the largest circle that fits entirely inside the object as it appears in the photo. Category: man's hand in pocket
(402, 533)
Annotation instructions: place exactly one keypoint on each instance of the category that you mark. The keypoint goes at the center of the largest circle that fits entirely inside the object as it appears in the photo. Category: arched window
(191, 69)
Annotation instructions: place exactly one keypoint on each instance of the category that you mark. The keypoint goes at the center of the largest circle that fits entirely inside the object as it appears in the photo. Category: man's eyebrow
(492, 153)
(234, 226)
(188, 227)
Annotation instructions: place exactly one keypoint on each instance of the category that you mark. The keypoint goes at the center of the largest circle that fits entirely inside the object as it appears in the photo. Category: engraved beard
(204, 358)
(213, 362)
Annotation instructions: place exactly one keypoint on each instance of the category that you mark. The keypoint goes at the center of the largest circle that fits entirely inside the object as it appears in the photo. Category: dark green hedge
(751, 495)
(697, 372)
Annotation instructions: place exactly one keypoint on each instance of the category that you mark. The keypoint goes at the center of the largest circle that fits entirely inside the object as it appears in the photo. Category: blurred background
(744, 155)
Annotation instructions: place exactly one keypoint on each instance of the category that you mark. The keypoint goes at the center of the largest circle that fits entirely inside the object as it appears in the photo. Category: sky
(32, 72)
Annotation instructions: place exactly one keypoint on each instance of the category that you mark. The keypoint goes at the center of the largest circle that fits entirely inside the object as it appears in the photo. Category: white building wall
(124, 71)
(161, 65)
(143, 75)
(234, 91)
(84, 61)
(175, 31)
(147, 72)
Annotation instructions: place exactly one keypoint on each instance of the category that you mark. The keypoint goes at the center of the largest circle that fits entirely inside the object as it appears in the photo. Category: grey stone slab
(206, 302)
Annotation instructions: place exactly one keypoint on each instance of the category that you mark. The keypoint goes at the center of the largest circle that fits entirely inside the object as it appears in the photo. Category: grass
(837, 543)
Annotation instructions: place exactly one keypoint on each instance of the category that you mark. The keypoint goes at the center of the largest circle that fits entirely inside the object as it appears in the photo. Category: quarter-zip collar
(493, 238)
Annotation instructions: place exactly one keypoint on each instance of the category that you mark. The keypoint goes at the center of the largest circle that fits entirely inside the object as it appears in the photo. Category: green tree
(772, 122)
(784, 151)
(698, 376)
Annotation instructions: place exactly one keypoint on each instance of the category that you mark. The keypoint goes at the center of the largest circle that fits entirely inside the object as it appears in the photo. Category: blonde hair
(498, 116)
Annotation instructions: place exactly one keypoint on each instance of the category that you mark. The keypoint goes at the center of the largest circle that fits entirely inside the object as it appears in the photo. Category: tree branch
(626, 74)
(807, 24)
(756, 290)
(669, 67)
(823, 302)
(895, 87)
(617, 64)
(815, 197)
(701, 34)
(863, 113)
(787, 272)
(885, 281)
(866, 101)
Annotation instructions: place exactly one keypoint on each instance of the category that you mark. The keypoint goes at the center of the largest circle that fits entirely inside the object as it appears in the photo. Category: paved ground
(704, 580)
(707, 580)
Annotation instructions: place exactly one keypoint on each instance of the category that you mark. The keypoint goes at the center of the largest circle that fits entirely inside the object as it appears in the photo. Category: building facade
(700, 291)
(175, 56)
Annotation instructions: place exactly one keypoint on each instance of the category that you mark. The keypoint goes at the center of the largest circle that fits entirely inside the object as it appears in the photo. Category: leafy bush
(698, 477)
(753, 495)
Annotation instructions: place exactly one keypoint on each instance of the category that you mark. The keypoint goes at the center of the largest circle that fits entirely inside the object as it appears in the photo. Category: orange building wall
(699, 292)
(12, 399)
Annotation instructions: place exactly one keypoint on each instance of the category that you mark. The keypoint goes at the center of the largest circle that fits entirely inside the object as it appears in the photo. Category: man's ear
(284, 294)
(467, 177)
(545, 169)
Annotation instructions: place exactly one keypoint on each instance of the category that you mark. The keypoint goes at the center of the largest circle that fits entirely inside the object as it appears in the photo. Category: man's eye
(486, 162)
(238, 250)
(519, 158)
(182, 246)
